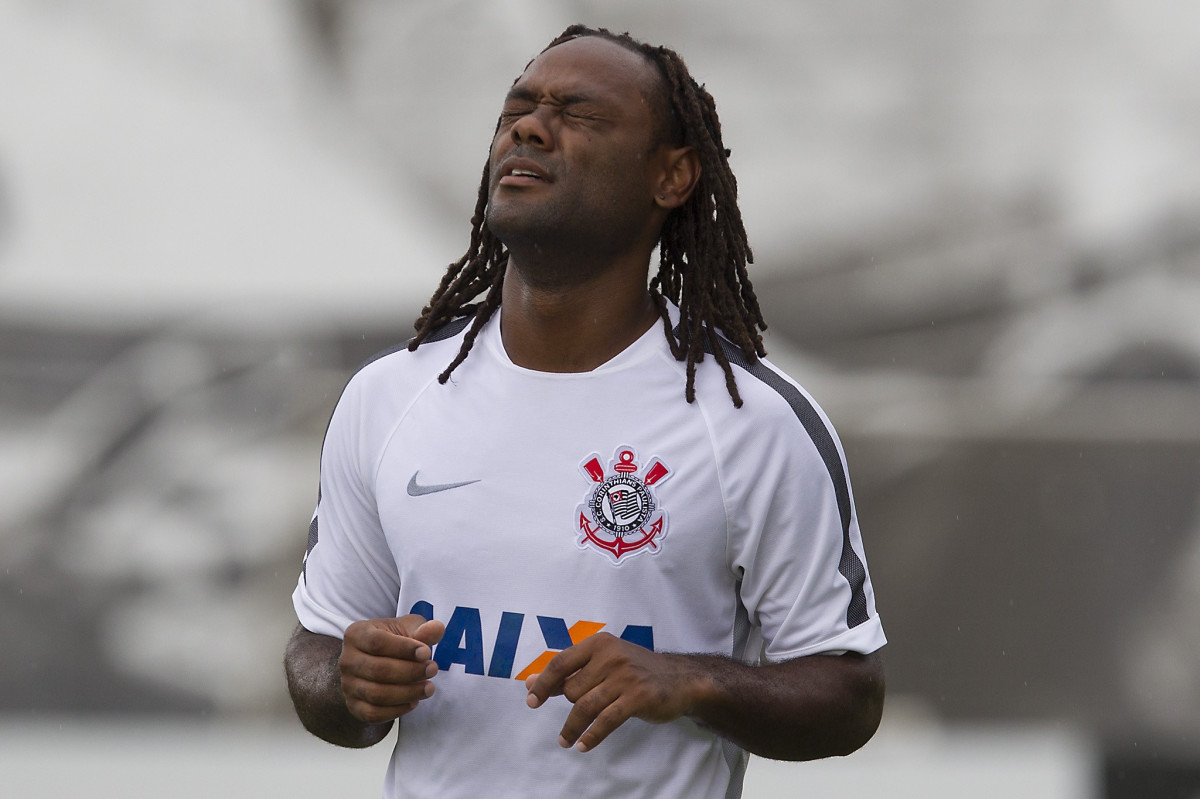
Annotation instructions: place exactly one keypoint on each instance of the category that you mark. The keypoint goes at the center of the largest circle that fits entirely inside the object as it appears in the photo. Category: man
(588, 560)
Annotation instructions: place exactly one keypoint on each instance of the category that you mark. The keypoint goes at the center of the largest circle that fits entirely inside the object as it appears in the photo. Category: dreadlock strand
(484, 312)
(447, 301)
(664, 314)
(703, 248)
(723, 360)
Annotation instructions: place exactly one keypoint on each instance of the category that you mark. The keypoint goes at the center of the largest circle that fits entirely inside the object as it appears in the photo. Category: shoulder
(777, 414)
(771, 398)
(398, 362)
(385, 384)
(399, 354)
(768, 393)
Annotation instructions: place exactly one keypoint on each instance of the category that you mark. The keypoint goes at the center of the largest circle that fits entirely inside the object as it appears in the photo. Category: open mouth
(519, 171)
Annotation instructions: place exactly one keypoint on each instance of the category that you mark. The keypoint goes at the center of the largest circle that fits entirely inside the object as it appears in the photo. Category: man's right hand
(386, 667)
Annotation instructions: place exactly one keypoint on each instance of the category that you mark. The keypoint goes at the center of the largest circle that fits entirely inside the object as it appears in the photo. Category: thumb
(405, 626)
(429, 632)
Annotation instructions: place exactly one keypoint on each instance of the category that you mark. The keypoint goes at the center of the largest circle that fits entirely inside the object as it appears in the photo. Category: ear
(680, 174)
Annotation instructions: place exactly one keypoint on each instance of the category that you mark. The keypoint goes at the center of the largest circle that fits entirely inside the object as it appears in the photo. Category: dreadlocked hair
(703, 249)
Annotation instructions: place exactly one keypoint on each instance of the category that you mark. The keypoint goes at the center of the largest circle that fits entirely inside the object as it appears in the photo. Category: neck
(573, 325)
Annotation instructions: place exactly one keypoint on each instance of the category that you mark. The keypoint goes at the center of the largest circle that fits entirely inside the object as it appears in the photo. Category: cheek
(502, 136)
(626, 175)
(501, 143)
(494, 155)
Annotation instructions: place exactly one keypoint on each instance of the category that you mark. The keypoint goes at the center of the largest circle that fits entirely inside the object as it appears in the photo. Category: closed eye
(514, 111)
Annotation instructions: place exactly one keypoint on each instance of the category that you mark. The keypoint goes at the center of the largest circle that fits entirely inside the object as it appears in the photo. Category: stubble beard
(557, 246)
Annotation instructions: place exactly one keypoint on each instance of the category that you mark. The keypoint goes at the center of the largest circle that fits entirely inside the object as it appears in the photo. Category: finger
(382, 638)
(550, 681)
(577, 685)
(406, 625)
(385, 670)
(532, 699)
(418, 628)
(535, 700)
(599, 704)
(609, 719)
(386, 695)
(375, 702)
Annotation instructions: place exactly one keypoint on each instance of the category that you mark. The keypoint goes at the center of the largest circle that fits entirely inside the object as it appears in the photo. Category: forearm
(803, 709)
(315, 684)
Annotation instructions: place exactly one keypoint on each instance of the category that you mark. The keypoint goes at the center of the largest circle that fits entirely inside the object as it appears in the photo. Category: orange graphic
(578, 631)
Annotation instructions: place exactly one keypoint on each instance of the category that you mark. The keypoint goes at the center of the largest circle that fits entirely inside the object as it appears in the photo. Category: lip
(521, 171)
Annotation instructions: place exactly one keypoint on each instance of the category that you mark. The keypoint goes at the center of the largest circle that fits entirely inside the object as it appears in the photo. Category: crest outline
(621, 516)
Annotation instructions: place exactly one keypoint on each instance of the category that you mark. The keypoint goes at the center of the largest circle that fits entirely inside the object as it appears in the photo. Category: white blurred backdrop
(977, 239)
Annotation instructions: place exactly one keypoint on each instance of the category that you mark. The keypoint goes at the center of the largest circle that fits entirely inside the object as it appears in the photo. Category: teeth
(524, 173)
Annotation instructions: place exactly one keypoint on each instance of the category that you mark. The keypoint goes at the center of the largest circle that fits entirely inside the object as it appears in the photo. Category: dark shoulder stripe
(850, 566)
(448, 330)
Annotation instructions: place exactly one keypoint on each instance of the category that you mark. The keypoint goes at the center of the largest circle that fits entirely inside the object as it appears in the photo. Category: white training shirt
(528, 510)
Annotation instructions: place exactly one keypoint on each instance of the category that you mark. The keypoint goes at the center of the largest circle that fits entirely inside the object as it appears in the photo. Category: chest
(577, 477)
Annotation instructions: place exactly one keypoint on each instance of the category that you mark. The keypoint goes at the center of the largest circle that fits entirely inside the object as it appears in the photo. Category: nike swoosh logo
(415, 489)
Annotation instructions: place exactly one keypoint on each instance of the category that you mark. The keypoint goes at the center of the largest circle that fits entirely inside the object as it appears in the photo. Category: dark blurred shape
(145, 519)
(1026, 539)
(1132, 775)
(324, 23)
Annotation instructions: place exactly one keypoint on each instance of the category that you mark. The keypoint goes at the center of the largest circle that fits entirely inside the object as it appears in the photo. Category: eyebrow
(522, 93)
(516, 93)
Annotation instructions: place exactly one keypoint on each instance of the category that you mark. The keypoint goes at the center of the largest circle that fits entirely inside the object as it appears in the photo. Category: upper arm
(795, 538)
(306, 649)
(349, 571)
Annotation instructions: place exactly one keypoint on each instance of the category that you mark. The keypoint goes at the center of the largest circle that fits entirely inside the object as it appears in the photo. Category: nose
(532, 129)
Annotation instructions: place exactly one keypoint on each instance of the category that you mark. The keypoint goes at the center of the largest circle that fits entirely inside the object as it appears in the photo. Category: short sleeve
(795, 540)
(349, 572)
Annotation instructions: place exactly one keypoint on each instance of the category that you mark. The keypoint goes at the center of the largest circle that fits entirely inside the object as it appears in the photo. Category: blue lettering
(507, 637)
(640, 635)
(463, 639)
(555, 631)
(463, 642)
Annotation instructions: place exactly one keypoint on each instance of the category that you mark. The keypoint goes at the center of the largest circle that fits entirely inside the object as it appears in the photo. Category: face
(575, 160)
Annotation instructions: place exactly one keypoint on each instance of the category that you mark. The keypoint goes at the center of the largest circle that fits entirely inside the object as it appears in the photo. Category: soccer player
(578, 537)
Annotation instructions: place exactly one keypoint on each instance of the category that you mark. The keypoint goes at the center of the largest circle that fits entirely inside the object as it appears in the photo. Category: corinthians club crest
(620, 516)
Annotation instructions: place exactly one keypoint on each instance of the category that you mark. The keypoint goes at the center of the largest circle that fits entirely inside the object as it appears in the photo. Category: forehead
(590, 65)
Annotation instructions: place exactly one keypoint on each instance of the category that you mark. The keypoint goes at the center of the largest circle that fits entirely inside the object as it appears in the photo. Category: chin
(515, 227)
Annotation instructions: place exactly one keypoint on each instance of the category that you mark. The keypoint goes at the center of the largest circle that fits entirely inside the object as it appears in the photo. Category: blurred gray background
(977, 239)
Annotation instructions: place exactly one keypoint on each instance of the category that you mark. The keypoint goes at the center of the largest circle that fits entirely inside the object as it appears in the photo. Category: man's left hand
(609, 681)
